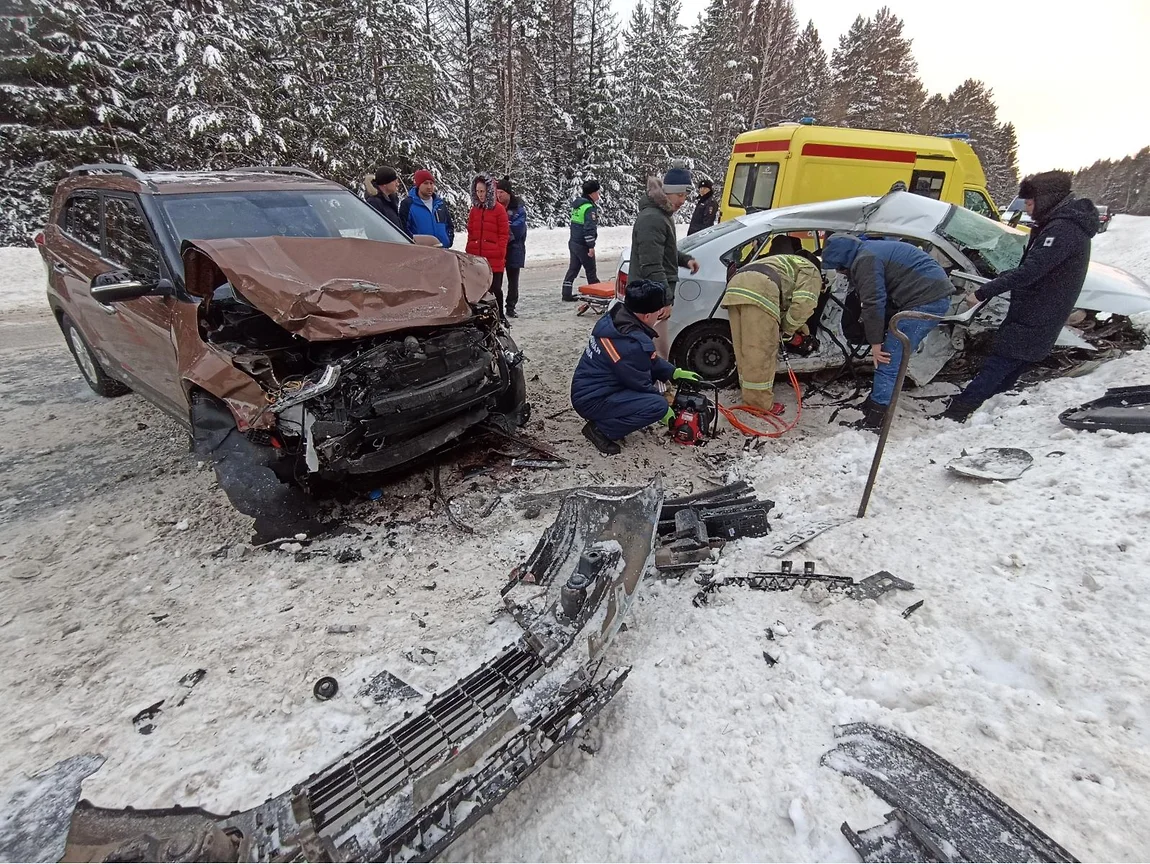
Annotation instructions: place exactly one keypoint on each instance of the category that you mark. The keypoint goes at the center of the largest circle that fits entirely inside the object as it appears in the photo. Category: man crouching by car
(613, 388)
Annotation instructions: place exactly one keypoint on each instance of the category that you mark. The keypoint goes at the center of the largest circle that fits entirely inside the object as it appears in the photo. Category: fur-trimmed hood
(656, 197)
(488, 202)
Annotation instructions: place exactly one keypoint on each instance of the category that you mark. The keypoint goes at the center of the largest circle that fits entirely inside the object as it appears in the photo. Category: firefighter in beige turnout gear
(772, 295)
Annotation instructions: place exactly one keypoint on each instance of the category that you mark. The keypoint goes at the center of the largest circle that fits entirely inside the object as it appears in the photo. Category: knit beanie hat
(422, 176)
(385, 175)
(590, 187)
(505, 186)
(677, 180)
(644, 296)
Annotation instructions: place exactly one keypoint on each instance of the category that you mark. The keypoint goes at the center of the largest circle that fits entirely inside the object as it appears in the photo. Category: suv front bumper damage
(411, 791)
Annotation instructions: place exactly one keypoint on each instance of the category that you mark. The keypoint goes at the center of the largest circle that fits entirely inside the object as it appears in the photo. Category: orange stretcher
(595, 297)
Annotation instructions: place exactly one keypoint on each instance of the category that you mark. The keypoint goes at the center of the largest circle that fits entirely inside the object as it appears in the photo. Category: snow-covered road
(1028, 663)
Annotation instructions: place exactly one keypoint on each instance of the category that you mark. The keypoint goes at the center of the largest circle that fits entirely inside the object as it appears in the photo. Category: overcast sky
(1073, 78)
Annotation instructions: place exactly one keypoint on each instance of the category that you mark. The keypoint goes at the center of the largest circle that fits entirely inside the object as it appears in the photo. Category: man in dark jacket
(1043, 288)
(386, 197)
(890, 276)
(584, 226)
(424, 212)
(613, 388)
(706, 208)
(654, 244)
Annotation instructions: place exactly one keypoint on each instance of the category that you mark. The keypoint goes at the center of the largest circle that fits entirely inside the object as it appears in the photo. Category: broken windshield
(993, 247)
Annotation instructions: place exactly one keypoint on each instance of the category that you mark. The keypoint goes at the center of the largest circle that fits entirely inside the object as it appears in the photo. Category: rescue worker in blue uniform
(614, 388)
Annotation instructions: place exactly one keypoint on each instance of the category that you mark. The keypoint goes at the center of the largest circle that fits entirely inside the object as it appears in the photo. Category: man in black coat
(386, 197)
(1043, 288)
(706, 208)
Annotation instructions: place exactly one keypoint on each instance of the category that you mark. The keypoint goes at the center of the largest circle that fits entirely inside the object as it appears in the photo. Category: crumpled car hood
(332, 288)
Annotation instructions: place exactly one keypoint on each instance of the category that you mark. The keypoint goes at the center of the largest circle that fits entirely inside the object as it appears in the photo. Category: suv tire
(707, 348)
(86, 361)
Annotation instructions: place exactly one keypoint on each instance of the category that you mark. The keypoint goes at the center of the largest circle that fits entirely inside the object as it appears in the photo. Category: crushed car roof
(325, 289)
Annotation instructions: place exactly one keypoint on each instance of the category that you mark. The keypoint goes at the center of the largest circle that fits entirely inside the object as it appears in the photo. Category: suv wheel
(90, 367)
(707, 348)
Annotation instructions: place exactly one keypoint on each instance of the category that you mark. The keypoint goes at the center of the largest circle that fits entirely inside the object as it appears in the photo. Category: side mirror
(108, 288)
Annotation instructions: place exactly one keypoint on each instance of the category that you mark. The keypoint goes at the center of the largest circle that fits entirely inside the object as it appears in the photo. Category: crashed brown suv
(283, 321)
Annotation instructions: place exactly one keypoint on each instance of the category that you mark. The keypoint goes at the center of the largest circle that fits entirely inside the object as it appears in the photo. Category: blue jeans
(886, 374)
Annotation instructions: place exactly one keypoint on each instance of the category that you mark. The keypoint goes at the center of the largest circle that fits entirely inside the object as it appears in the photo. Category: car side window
(128, 242)
(974, 200)
(81, 219)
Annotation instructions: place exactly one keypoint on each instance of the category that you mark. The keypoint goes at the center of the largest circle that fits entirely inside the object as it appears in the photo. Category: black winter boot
(958, 411)
(602, 443)
(873, 415)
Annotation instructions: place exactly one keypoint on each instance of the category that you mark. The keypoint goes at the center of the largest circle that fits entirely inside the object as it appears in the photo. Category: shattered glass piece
(386, 687)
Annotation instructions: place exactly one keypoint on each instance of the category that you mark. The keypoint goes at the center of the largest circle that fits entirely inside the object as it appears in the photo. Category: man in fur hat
(1043, 288)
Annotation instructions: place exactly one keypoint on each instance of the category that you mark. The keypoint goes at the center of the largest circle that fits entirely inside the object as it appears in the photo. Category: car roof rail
(279, 169)
(111, 168)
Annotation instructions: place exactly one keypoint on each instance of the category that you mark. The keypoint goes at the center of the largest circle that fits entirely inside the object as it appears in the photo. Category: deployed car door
(147, 350)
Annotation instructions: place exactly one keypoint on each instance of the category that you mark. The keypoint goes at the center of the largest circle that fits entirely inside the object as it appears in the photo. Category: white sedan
(971, 248)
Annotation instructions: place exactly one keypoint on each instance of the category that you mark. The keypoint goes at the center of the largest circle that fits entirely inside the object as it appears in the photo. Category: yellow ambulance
(798, 163)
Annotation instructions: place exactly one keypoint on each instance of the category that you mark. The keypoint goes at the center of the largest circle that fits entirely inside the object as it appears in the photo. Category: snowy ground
(122, 568)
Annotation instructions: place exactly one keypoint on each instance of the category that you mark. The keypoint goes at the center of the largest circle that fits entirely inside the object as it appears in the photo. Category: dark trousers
(622, 413)
(512, 288)
(997, 375)
(497, 290)
(579, 259)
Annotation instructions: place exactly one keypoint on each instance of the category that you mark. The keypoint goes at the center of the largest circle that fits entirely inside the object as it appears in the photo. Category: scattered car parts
(325, 688)
(802, 535)
(786, 579)
(1123, 409)
(993, 463)
(941, 812)
(411, 791)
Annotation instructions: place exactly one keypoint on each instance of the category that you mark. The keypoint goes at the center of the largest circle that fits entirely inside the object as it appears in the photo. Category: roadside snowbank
(22, 280)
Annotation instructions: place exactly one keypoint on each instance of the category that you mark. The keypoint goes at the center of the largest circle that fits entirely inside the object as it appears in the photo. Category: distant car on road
(1103, 218)
(970, 247)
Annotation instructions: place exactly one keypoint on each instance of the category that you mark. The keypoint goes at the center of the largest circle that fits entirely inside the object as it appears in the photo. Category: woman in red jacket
(488, 232)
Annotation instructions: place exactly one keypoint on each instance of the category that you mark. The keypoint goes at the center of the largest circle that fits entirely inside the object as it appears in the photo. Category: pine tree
(875, 81)
(659, 111)
(722, 72)
(72, 94)
(774, 30)
(813, 78)
(222, 108)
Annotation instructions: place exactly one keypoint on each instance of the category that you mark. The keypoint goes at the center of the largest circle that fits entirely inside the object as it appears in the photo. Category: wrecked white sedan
(971, 248)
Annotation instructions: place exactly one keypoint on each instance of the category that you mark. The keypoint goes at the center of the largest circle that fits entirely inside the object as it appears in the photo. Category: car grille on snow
(408, 749)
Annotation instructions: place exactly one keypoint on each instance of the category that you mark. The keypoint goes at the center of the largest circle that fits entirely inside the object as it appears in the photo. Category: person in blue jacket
(890, 276)
(424, 212)
(517, 246)
(613, 388)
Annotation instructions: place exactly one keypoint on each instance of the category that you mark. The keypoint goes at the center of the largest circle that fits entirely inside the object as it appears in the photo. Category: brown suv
(293, 330)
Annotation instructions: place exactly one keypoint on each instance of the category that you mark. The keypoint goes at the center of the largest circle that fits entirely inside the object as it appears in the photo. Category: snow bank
(1126, 245)
(550, 244)
(22, 278)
